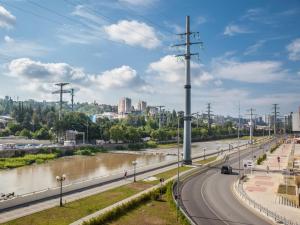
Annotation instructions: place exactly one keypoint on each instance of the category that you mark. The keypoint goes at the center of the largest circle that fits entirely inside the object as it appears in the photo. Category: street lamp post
(134, 168)
(177, 192)
(61, 179)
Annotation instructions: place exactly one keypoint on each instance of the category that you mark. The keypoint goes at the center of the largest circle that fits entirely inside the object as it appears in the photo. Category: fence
(278, 218)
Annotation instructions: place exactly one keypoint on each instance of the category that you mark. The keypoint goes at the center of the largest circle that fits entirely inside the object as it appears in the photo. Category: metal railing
(278, 218)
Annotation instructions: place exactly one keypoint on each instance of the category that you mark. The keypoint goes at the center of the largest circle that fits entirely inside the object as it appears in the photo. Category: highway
(208, 199)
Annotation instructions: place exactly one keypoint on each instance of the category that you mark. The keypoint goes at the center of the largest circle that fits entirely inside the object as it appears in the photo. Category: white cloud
(8, 39)
(120, 77)
(39, 77)
(294, 50)
(254, 48)
(7, 20)
(233, 29)
(133, 33)
(22, 48)
(203, 78)
(138, 2)
(251, 72)
(170, 70)
(26, 68)
(201, 20)
(83, 12)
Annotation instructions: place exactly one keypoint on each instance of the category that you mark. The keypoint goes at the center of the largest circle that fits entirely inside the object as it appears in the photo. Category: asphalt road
(209, 200)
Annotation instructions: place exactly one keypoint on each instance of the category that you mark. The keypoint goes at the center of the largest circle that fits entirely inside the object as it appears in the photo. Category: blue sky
(112, 48)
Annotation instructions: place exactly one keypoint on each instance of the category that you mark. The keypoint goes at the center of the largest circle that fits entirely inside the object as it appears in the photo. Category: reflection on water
(36, 177)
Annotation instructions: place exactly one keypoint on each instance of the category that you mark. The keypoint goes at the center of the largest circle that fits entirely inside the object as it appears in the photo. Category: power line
(31, 13)
(53, 12)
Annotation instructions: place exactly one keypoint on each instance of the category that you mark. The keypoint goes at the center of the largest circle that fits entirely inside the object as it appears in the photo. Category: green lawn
(152, 213)
(207, 160)
(75, 210)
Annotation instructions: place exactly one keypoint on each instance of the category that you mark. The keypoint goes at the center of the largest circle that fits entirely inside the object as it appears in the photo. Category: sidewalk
(262, 187)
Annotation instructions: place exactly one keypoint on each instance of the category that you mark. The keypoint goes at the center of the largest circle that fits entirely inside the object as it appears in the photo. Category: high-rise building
(296, 121)
(141, 106)
(124, 106)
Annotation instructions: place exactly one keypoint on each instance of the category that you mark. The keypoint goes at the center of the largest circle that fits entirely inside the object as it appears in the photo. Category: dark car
(226, 169)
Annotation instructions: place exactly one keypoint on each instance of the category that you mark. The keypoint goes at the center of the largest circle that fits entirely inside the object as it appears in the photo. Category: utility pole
(251, 110)
(160, 120)
(239, 140)
(269, 123)
(275, 108)
(60, 92)
(72, 98)
(187, 117)
(197, 114)
(209, 117)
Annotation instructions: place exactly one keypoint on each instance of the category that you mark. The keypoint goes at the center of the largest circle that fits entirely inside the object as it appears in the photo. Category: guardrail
(191, 173)
(278, 218)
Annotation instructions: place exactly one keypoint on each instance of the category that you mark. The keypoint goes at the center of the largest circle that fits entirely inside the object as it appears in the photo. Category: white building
(141, 106)
(296, 121)
(124, 106)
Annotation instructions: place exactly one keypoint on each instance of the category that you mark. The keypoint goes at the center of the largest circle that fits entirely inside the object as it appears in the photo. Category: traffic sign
(248, 163)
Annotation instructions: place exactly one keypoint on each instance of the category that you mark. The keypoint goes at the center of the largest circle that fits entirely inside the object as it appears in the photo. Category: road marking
(206, 203)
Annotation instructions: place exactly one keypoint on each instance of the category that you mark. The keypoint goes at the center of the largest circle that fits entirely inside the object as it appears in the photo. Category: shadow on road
(222, 220)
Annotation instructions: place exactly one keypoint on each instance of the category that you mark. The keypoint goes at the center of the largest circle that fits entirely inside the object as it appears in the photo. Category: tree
(25, 133)
(132, 134)
(42, 134)
(14, 127)
(117, 133)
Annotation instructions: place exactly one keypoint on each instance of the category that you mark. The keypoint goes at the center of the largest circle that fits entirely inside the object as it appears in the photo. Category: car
(226, 169)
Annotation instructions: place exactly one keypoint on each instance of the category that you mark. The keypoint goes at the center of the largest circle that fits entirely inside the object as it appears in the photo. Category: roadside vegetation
(8, 163)
(155, 208)
(261, 159)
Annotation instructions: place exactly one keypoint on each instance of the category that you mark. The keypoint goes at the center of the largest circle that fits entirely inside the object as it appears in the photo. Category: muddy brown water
(77, 168)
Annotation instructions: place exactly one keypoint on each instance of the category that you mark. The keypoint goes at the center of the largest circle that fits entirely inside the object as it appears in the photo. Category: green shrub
(261, 159)
(151, 144)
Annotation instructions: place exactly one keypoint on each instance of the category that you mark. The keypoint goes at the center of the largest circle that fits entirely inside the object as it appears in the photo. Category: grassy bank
(150, 209)
(207, 160)
(8, 163)
(77, 209)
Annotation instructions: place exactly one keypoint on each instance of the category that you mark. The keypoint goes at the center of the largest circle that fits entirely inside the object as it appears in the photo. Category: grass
(8, 163)
(150, 209)
(77, 209)
(168, 174)
(290, 189)
(156, 212)
(169, 145)
(207, 160)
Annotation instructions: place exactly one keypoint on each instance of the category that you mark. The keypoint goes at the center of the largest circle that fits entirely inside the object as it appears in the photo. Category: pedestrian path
(262, 186)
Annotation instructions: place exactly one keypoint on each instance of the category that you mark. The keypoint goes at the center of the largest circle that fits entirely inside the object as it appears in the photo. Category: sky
(113, 48)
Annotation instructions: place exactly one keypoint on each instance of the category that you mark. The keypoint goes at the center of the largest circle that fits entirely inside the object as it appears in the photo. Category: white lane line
(207, 204)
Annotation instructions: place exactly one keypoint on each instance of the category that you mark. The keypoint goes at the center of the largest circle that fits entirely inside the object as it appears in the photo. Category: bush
(261, 159)
(25, 133)
(151, 144)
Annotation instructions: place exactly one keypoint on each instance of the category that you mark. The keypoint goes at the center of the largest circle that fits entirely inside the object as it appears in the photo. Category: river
(42, 176)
